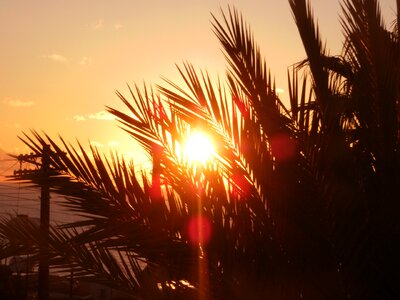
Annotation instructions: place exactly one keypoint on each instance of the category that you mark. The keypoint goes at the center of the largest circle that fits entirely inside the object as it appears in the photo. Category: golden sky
(61, 61)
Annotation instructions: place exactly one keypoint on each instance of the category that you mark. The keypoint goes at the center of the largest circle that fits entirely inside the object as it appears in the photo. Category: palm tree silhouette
(300, 201)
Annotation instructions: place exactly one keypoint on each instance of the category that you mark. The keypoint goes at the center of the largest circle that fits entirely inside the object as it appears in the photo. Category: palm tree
(301, 201)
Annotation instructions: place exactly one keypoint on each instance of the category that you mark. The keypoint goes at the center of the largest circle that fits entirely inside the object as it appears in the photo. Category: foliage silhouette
(302, 201)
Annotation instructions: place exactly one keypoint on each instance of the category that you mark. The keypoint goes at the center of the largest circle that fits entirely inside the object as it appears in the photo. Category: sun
(198, 148)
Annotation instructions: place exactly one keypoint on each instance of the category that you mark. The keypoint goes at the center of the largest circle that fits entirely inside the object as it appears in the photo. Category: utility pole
(43, 176)
(43, 286)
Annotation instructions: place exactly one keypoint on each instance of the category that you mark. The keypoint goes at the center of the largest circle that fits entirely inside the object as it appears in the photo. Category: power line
(7, 159)
(6, 170)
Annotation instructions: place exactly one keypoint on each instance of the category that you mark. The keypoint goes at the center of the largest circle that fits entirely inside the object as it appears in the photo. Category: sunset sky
(61, 61)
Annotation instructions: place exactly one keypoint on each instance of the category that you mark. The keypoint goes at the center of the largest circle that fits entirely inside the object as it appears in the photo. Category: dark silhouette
(300, 202)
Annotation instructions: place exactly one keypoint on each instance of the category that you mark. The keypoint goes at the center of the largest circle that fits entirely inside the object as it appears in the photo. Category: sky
(62, 61)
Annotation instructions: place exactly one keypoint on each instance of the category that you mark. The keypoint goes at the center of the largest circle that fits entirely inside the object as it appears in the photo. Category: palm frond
(299, 202)
(249, 71)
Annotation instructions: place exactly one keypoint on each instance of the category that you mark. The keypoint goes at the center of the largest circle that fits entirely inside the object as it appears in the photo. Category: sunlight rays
(198, 148)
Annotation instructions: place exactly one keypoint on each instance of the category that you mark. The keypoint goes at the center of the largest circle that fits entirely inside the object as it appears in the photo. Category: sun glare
(198, 148)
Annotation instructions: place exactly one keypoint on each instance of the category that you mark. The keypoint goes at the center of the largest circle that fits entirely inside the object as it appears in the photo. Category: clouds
(57, 58)
(85, 61)
(101, 116)
(96, 144)
(79, 118)
(118, 26)
(97, 25)
(100, 24)
(17, 102)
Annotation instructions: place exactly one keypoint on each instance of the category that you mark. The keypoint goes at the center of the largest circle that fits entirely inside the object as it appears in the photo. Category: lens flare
(199, 230)
(283, 147)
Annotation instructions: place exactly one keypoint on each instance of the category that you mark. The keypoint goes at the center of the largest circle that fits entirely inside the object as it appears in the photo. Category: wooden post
(43, 284)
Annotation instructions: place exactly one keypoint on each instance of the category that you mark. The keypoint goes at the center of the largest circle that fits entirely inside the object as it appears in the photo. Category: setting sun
(198, 148)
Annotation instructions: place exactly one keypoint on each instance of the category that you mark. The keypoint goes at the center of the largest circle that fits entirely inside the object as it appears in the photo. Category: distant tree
(300, 201)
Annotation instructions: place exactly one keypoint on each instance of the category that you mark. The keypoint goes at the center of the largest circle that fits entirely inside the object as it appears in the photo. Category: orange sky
(61, 61)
